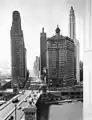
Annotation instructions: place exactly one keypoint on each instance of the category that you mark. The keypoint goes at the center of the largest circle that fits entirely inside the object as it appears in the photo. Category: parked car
(2, 102)
(19, 107)
(25, 100)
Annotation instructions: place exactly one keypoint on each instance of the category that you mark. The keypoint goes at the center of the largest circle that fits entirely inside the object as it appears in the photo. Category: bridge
(36, 96)
(8, 109)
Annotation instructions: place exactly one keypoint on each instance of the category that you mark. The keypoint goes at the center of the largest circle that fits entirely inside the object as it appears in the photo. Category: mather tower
(72, 33)
(18, 53)
(43, 43)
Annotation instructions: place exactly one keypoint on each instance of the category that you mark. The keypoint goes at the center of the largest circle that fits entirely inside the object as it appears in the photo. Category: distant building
(60, 60)
(36, 67)
(72, 32)
(42, 51)
(18, 52)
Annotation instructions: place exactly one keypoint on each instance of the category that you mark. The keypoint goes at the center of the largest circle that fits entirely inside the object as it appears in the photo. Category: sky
(36, 14)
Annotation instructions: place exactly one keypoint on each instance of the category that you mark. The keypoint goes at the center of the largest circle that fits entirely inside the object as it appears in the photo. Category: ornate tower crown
(16, 22)
(57, 30)
(43, 30)
(16, 15)
(71, 10)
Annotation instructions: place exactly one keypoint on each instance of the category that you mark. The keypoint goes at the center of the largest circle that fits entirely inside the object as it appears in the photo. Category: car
(20, 92)
(11, 118)
(2, 102)
(15, 100)
(29, 95)
(30, 102)
(23, 108)
(25, 100)
(19, 107)
(35, 95)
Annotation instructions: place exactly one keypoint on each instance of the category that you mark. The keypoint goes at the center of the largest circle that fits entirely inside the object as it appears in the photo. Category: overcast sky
(36, 14)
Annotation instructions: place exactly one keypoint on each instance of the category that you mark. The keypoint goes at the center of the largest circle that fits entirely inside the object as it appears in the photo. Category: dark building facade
(60, 60)
(18, 52)
(42, 51)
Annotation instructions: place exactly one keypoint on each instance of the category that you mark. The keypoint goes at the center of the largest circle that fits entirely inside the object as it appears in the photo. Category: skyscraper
(18, 52)
(72, 24)
(60, 60)
(42, 51)
(36, 66)
(72, 33)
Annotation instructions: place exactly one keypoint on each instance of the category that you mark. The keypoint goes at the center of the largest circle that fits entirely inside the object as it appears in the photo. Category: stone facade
(60, 60)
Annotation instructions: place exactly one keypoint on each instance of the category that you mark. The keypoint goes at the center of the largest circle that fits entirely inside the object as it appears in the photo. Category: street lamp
(15, 101)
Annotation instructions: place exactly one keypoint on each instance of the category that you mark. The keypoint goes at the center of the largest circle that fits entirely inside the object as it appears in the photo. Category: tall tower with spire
(72, 34)
(43, 43)
(18, 52)
(72, 24)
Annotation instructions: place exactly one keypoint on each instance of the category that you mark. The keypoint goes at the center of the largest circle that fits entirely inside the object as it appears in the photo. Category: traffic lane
(19, 112)
(10, 107)
(6, 111)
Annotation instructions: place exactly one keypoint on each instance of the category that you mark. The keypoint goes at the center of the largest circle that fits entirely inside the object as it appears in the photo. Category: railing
(64, 101)
(66, 89)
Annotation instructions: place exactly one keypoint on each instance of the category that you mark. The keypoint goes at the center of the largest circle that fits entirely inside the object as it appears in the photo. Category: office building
(36, 67)
(42, 51)
(72, 32)
(60, 60)
(18, 52)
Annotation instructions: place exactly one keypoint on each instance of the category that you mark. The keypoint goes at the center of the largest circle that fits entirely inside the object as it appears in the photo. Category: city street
(8, 109)
(19, 111)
